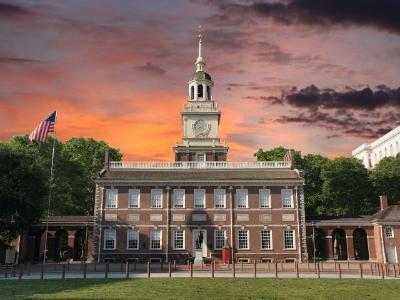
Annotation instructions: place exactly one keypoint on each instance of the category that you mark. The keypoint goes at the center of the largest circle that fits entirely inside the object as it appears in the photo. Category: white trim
(246, 198)
(215, 238)
(129, 165)
(283, 191)
(294, 239)
(392, 232)
(174, 198)
(218, 191)
(106, 231)
(248, 239)
(270, 240)
(130, 191)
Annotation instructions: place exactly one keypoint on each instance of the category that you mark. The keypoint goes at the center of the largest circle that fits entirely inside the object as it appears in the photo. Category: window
(134, 198)
(132, 239)
(208, 92)
(288, 239)
(192, 92)
(155, 239)
(111, 198)
(242, 198)
(380, 154)
(199, 198)
(385, 151)
(200, 91)
(219, 198)
(265, 198)
(109, 238)
(156, 198)
(179, 198)
(397, 147)
(243, 239)
(219, 239)
(391, 149)
(389, 232)
(179, 239)
(200, 157)
(375, 158)
(266, 239)
(287, 198)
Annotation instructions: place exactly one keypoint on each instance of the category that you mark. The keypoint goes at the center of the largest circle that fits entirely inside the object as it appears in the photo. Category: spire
(200, 61)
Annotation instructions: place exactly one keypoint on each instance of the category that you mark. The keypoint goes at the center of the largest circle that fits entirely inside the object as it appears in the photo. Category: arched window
(385, 152)
(200, 91)
(208, 92)
(380, 154)
(192, 92)
(391, 150)
(375, 158)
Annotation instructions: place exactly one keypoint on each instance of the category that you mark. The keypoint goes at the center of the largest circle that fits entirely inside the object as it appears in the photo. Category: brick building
(199, 203)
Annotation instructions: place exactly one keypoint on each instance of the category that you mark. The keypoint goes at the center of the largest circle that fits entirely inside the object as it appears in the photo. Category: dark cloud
(16, 60)
(11, 10)
(312, 97)
(274, 53)
(381, 14)
(151, 69)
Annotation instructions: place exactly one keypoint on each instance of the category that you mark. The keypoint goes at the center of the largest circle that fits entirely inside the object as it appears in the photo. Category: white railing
(199, 165)
(207, 107)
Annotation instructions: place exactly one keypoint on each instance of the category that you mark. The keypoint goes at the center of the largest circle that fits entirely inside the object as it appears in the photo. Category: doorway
(200, 241)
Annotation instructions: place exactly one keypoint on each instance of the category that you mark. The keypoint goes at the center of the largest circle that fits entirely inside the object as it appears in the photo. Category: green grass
(201, 288)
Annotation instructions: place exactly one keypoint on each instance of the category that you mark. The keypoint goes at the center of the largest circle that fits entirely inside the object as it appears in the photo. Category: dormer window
(192, 92)
(200, 91)
(208, 92)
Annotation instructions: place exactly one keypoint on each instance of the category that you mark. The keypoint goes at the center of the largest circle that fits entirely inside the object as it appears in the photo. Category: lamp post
(313, 237)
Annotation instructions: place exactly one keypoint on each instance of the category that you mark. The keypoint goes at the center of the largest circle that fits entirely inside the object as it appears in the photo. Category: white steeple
(200, 60)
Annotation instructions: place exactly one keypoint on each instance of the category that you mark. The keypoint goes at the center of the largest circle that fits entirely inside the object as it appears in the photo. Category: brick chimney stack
(384, 202)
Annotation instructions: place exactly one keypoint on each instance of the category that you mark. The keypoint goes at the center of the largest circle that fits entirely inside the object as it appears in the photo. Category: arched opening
(61, 245)
(192, 92)
(38, 246)
(80, 245)
(208, 92)
(200, 91)
(339, 244)
(360, 242)
(320, 244)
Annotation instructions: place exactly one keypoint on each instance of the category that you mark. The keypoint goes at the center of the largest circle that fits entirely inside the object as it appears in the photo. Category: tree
(346, 189)
(313, 165)
(23, 192)
(278, 154)
(385, 178)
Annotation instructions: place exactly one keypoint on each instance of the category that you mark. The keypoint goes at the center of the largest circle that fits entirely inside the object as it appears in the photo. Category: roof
(69, 219)
(200, 174)
(389, 214)
(201, 75)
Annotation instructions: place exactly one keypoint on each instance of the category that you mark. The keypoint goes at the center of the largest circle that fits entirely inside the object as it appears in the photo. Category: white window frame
(183, 200)
(174, 239)
(109, 193)
(248, 239)
(387, 229)
(260, 192)
(151, 239)
(128, 238)
(153, 191)
(203, 154)
(215, 239)
(130, 194)
(246, 193)
(216, 191)
(270, 239)
(196, 191)
(107, 232)
(294, 239)
(283, 191)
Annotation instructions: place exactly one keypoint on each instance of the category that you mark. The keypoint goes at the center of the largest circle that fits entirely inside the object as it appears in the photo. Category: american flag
(42, 130)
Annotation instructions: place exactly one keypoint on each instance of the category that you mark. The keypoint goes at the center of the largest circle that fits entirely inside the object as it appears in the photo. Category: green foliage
(278, 154)
(23, 192)
(385, 178)
(346, 189)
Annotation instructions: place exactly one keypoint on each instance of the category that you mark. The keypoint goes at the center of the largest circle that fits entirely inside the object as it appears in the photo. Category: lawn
(201, 288)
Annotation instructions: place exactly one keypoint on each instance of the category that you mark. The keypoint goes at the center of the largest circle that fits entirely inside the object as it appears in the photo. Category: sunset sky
(317, 76)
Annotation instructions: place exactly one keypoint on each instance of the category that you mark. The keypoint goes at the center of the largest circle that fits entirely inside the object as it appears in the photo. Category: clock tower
(200, 119)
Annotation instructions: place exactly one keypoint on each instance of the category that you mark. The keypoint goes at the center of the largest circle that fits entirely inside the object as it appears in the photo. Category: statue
(199, 240)
(337, 245)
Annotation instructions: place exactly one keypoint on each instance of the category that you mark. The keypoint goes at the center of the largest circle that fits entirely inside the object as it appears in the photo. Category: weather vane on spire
(200, 61)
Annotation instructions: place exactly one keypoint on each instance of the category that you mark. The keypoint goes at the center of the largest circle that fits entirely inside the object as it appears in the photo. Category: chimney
(106, 159)
(384, 202)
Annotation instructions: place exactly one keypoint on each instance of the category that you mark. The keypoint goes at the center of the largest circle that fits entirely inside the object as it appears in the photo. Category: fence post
(161, 265)
(63, 272)
(361, 271)
(339, 271)
(106, 270)
(255, 269)
(127, 269)
(276, 270)
(382, 273)
(42, 271)
(169, 269)
(297, 269)
(348, 266)
(13, 271)
(318, 271)
(148, 269)
(202, 265)
(84, 270)
(242, 265)
(28, 268)
(174, 265)
(21, 271)
(372, 270)
(233, 269)
(212, 269)
(394, 270)
(191, 269)
(94, 266)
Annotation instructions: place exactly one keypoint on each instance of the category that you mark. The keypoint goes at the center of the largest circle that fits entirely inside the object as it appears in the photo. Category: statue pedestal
(198, 258)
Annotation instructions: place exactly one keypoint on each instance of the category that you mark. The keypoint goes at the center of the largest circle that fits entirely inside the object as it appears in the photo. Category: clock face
(201, 128)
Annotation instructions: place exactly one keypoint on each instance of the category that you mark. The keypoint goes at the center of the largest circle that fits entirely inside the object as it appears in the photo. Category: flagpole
(49, 201)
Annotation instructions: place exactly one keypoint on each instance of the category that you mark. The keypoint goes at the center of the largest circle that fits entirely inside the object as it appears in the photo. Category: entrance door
(391, 254)
(200, 241)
